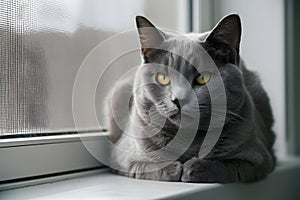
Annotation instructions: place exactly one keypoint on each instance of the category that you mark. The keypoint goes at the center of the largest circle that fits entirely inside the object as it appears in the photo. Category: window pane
(44, 42)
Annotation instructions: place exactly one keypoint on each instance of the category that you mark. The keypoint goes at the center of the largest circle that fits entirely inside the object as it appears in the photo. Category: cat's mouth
(184, 118)
(174, 114)
(175, 118)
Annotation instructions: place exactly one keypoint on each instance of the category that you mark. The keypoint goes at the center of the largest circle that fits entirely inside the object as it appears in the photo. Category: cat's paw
(209, 171)
(195, 170)
(172, 172)
(191, 169)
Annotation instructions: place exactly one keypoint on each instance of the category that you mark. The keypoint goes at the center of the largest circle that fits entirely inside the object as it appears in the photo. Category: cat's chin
(175, 120)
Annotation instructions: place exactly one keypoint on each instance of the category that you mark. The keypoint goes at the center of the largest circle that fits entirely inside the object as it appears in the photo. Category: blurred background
(44, 43)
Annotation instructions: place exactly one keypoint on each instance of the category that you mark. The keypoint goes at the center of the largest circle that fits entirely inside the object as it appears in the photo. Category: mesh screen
(42, 46)
(22, 71)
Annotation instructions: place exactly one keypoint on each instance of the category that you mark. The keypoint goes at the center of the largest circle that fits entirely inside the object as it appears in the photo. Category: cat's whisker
(235, 115)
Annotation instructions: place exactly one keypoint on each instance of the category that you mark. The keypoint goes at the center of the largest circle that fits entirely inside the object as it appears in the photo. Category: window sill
(281, 184)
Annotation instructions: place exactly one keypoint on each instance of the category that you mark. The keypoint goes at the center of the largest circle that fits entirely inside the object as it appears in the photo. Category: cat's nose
(179, 102)
(180, 96)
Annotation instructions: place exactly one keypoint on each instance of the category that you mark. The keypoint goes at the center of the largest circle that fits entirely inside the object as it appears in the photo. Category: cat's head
(176, 71)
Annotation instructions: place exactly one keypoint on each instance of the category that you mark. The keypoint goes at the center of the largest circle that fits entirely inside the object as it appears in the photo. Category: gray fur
(243, 152)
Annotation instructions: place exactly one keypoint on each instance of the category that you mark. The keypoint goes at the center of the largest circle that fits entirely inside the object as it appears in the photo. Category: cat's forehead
(187, 42)
(191, 39)
(185, 52)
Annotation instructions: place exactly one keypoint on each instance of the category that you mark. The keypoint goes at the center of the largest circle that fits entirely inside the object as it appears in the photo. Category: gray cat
(160, 118)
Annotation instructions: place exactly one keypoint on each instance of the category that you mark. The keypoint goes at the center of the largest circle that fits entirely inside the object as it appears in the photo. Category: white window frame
(24, 159)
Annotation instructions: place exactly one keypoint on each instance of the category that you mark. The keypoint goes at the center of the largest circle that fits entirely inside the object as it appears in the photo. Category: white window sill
(283, 183)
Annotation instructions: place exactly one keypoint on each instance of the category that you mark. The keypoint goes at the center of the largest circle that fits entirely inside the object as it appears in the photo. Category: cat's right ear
(150, 36)
(223, 42)
(228, 31)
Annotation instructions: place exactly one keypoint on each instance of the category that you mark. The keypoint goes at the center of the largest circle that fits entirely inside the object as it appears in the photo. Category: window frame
(292, 31)
(24, 159)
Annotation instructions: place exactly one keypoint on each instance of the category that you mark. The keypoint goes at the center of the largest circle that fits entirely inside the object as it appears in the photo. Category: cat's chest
(194, 148)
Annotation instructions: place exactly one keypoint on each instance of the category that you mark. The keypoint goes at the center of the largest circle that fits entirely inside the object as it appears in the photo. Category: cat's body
(243, 151)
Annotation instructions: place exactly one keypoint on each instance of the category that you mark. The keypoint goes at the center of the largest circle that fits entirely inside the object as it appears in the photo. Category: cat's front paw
(192, 170)
(172, 172)
(209, 171)
(198, 170)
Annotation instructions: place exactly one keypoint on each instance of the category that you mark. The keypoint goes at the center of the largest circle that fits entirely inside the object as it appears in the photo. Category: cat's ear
(228, 31)
(150, 36)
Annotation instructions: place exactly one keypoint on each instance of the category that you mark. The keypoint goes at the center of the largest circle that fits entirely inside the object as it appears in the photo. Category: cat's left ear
(223, 42)
(150, 36)
(227, 31)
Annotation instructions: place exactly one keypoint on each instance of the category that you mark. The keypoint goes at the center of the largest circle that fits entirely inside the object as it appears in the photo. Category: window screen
(23, 75)
(43, 44)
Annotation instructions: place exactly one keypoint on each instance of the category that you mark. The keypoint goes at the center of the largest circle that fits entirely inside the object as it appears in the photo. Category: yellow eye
(163, 79)
(203, 78)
